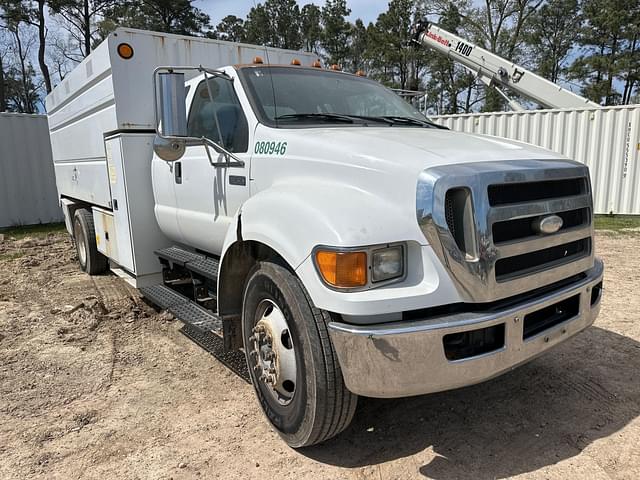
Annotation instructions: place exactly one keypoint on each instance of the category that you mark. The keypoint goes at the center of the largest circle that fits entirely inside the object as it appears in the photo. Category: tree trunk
(26, 107)
(3, 101)
(87, 29)
(42, 37)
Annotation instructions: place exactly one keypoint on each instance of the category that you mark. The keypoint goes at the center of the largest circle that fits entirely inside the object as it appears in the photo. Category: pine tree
(171, 16)
(231, 28)
(337, 31)
(310, 27)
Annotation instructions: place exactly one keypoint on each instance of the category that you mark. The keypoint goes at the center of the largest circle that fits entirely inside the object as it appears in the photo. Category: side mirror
(170, 110)
(171, 116)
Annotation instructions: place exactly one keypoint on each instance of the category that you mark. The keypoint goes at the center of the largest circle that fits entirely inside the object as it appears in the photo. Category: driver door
(208, 197)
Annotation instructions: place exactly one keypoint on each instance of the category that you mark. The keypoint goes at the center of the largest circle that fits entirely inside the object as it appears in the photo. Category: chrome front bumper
(408, 358)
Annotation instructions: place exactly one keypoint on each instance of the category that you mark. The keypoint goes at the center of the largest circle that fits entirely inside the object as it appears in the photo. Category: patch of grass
(41, 230)
(11, 255)
(617, 223)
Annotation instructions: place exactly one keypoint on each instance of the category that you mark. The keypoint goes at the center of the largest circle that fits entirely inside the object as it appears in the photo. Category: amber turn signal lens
(343, 269)
(125, 51)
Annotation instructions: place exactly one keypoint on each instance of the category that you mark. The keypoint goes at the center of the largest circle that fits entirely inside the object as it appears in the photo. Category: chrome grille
(510, 257)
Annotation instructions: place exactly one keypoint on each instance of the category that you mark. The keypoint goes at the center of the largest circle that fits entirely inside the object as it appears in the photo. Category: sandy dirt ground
(94, 383)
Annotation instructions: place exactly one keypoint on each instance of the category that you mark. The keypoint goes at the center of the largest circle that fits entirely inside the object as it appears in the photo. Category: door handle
(177, 171)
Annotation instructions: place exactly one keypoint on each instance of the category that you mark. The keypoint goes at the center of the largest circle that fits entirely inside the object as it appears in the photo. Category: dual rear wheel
(84, 234)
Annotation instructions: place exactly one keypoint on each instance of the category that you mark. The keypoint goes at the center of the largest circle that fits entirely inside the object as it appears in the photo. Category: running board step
(213, 344)
(196, 262)
(183, 309)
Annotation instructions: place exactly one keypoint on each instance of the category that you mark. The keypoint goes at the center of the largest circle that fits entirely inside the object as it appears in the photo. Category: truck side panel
(80, 109)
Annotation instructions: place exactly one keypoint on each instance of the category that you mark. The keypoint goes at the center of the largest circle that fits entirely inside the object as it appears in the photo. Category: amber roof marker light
(125, 51)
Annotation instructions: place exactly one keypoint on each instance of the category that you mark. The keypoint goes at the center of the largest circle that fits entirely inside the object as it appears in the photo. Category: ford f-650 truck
(318, 223)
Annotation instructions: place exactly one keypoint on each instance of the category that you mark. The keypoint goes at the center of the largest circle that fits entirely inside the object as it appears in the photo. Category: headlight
(387, 263)
(359, 269)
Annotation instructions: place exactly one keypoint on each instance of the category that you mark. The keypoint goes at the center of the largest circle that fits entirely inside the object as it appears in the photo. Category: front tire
(292, 363)
(84, 234)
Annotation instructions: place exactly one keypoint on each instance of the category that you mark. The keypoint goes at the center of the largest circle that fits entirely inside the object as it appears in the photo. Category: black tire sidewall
(294, 421)
(79, 221)
(95, 262)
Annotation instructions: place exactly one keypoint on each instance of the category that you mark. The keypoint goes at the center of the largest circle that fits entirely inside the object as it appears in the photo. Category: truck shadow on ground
(538, 415)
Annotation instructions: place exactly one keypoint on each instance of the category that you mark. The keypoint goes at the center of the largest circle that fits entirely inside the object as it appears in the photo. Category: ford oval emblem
(547, 225)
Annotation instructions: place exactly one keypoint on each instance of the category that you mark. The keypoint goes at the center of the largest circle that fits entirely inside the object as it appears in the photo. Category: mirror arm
(227, 154)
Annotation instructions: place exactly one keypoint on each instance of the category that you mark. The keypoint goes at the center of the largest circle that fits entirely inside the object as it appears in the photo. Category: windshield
(286, 96)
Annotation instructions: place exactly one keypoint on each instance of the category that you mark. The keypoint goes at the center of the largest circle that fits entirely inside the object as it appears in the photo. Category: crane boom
(495, 71)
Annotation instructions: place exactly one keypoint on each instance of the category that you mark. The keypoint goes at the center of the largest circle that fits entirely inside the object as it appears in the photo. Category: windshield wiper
(319, 116)
(414, 121)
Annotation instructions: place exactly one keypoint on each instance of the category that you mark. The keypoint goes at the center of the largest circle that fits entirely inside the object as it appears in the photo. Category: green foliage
(80, 18)
(310, 27)
(401, 64)
(336, 32)
(258, 26)
(450, 87)
(172, 16)
(231, 28)
(610, 36)
(276, 23)
(551, 36)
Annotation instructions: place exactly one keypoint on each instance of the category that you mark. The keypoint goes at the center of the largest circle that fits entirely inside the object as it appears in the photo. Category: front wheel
(292, 363)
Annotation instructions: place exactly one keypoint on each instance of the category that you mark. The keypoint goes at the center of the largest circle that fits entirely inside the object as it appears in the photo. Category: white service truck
(318, 223)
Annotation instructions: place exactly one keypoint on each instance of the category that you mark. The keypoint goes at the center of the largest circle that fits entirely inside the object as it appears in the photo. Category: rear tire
(315, 404)
(84, 234)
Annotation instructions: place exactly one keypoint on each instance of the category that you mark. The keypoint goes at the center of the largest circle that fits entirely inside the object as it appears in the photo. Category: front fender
(293, 219)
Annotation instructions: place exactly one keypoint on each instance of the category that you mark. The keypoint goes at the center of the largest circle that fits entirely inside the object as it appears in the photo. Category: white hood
(419, 146)
(360, 183)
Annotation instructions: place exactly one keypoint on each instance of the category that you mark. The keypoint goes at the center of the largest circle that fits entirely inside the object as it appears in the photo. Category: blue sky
(367, 10)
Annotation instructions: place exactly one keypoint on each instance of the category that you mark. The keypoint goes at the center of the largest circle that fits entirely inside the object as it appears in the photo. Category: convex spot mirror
(172, 112)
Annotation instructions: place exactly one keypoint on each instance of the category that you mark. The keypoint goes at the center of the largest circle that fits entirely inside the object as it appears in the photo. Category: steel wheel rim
(273, 353)
(82, 248)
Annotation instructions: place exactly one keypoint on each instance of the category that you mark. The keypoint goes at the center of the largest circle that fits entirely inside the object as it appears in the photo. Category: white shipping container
(27, 184)
(607, 140)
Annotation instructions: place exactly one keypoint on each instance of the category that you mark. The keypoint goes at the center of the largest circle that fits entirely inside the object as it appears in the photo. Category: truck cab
(342, 241)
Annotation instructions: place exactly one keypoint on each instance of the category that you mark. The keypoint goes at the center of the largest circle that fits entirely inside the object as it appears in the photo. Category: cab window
(221, 120)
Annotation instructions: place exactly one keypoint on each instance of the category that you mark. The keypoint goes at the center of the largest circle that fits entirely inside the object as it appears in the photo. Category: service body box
(129, 233)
